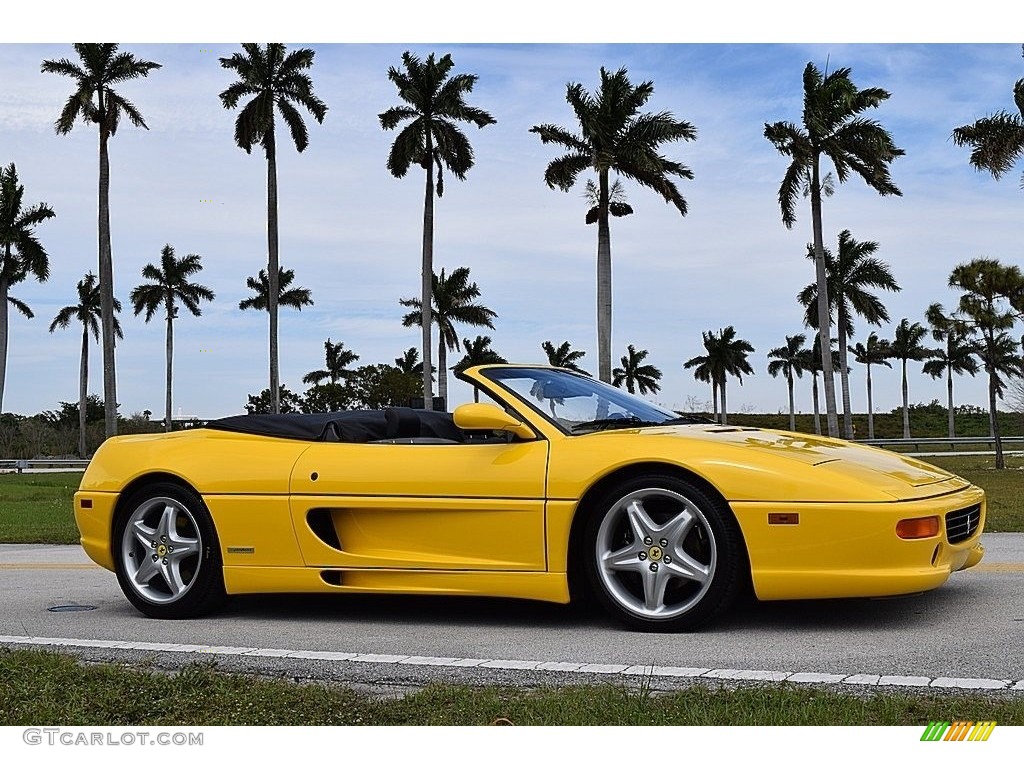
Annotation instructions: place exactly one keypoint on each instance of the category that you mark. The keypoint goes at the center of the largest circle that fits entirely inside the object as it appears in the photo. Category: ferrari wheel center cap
(655, 553)
(161, 551)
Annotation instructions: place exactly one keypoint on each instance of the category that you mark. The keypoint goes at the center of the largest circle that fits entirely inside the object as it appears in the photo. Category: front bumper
(852, 550)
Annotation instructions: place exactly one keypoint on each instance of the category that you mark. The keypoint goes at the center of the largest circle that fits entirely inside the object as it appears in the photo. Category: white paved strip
(646, 670)
(904, 680)
(747, 674)
(862, 679)
(969, 682)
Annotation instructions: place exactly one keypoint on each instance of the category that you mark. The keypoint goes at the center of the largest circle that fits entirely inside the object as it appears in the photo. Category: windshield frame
(497, 375)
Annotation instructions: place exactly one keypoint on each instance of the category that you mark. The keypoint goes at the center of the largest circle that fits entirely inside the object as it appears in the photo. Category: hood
(894, 474)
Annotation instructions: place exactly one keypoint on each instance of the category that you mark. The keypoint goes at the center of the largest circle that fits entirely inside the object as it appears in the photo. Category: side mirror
(485, 416)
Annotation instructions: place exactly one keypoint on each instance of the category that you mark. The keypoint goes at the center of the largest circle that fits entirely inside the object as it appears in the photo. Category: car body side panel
(423, 506)
(549, 587)
(254, 530)
(211, 461)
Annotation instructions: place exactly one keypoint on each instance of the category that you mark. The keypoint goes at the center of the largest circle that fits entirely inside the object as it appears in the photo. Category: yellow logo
(655, 553)
(161, 551)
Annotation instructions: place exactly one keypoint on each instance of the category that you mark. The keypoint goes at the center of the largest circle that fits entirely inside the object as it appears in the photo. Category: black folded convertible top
(345, 426)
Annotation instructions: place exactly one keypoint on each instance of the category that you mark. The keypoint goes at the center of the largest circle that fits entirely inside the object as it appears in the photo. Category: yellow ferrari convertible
(554, 485)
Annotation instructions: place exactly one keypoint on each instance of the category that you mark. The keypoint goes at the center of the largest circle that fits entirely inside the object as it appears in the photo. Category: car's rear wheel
(166, 553)
(663, 554)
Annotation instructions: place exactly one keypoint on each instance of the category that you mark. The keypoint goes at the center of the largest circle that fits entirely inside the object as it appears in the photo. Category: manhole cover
(71, 608)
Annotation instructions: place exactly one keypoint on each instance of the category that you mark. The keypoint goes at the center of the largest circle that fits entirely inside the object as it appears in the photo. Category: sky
(352, 232)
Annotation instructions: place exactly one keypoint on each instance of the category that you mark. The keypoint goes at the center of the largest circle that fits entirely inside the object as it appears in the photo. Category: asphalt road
(967, 634)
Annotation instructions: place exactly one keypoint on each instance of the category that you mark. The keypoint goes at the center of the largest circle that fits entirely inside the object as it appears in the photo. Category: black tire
(662, 554)
(166, 553)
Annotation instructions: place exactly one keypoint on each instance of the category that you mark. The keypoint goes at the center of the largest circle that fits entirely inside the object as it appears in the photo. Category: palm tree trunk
(604, 283)
(714, 396)
(906, 408)
(824, 329)
(4, 325)
(725, 412)
(170, 356)
(442, 365)
(83, 391)
(871, 412)
(844, 378)
(273, 276)
(106, 267)
(817, 412)
(792, 410)
(993, 413)
(949, 397)
(427, 281)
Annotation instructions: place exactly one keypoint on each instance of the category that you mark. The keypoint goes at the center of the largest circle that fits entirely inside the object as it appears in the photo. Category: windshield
(579, 404)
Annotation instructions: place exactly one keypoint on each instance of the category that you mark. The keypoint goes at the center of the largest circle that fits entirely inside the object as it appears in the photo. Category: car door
(452, 506)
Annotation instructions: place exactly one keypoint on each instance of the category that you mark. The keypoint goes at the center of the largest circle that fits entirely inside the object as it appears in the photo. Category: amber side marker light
(783, 518)
(918, 528)
(85, 503)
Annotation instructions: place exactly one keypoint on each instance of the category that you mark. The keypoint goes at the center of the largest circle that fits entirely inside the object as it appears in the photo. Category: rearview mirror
(484, 416)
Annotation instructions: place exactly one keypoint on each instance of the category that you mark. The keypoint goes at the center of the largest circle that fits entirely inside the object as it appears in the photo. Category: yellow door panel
(450, 506)
(415, 532)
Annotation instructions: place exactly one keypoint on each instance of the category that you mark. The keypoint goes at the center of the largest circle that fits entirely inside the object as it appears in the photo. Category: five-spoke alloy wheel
(663, 554)
(166, 553)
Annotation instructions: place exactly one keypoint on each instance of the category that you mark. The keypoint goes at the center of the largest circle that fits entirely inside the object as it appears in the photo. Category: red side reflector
(783, 518)
(918, 528)
(85, 503)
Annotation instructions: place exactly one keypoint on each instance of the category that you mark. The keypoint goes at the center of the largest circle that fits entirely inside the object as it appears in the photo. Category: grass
(36, 509)
(45, 688)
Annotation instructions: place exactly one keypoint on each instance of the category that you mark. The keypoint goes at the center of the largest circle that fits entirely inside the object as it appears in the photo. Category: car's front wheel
(166, 553)
(663, 554)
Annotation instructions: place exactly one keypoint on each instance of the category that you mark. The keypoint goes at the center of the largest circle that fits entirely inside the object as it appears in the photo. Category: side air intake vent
(321, 524)
(332, 577)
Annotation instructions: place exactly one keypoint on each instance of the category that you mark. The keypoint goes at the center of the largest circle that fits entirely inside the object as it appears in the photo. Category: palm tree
(705, 369)
(277, 83)
(564, 356)
(874, 351)
(453, 303)
(478, 352)
(833, 127)
(848, 276)
(435, 102)
(87, 312)
(95, 102)
(336, 359)
(409, 363)
(997, 141)
(1001, 360)
(906, 345)
(615, 136)
(812, 363)
(286, 297)
(726, 356)
(789, 361)
(21, 254)
(169, 285)
(957, 356)
(987, 286)
(635, 375)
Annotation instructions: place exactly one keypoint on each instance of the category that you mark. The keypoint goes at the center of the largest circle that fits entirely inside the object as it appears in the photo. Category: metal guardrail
(954, 443)
(21, 465)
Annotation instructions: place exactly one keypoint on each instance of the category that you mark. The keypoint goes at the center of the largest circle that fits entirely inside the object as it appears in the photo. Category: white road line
(653, 671)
